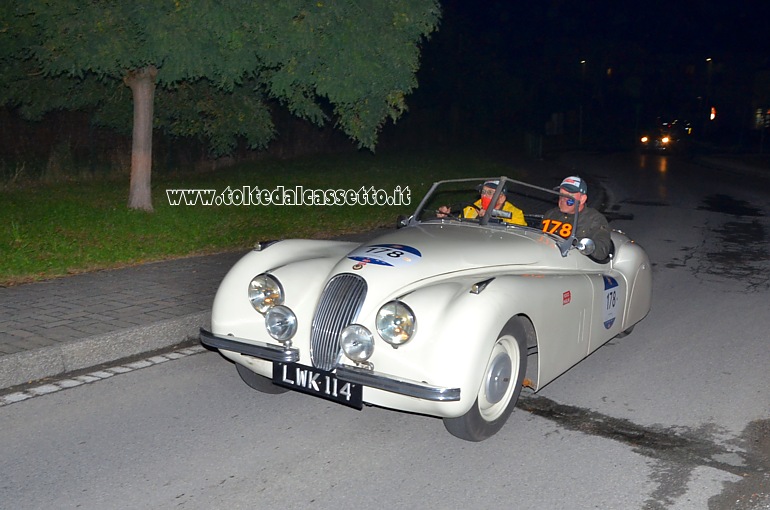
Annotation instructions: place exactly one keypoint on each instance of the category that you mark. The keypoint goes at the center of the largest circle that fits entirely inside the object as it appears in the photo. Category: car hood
(427, 250)
(400, 261)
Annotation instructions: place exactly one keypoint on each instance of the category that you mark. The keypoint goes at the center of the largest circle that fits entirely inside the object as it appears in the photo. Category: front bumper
(357, 375)
(254, 348)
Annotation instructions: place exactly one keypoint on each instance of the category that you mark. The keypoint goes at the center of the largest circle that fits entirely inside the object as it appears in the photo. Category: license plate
(317, 382)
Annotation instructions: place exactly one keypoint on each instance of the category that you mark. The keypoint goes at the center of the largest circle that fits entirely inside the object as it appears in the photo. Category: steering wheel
(455, 210)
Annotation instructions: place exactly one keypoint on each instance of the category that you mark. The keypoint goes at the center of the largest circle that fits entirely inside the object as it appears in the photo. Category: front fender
(455, 332)
(232, 313)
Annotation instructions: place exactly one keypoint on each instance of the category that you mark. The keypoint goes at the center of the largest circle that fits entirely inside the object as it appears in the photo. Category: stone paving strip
(99, 375)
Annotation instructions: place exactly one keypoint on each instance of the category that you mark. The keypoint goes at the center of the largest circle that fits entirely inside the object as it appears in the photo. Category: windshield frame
(564, 244)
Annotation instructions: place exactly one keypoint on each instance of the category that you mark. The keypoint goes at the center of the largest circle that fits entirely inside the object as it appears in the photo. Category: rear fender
(632, 261)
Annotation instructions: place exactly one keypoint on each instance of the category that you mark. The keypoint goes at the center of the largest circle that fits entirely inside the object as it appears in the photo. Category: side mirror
(586, 246)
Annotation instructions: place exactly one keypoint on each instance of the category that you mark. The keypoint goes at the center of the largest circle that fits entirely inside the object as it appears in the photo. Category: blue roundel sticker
(386, 255)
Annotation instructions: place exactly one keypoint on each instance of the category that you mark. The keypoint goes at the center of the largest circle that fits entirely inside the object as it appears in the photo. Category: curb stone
(24, 367)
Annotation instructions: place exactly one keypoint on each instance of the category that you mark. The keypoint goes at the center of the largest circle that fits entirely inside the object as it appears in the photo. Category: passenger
(480, 206)
(591, 223)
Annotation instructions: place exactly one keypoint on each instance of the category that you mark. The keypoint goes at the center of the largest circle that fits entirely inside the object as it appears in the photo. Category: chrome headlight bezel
(396, 323)
(281, 323)
(357, 342)
(264, 292)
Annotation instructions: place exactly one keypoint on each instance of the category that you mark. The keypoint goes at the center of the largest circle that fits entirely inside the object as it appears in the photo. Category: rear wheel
(500, 386)
(258, 382)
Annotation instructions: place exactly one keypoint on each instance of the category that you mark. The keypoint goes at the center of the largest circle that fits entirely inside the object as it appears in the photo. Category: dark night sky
(521, 60)
(672, 26)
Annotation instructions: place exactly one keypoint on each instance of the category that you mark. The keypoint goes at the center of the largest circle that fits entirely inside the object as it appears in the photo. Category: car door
(609, 299)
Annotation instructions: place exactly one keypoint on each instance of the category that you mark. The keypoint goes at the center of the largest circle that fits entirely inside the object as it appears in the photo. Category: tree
(212, 67)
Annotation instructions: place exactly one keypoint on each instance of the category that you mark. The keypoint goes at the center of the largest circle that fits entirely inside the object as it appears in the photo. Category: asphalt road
(674, 416)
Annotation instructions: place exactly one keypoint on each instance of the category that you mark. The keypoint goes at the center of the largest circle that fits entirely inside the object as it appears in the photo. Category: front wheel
(259, 383)
(500, 386)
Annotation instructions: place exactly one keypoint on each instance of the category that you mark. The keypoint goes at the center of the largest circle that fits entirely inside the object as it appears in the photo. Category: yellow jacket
(517, 215)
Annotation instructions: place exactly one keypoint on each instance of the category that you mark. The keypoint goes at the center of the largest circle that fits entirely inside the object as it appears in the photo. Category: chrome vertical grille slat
(338, 307)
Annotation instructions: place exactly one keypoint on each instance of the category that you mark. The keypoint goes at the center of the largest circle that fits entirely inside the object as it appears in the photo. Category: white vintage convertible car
(444, 316)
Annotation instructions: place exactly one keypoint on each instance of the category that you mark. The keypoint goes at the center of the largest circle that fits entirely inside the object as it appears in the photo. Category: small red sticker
(566, 298)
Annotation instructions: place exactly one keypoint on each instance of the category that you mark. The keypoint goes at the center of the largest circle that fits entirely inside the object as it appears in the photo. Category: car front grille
(340, 303)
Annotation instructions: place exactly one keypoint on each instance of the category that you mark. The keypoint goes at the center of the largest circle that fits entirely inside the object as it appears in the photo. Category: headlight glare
(357, 343)
(265, 292)
(281, 323)
(395, 323)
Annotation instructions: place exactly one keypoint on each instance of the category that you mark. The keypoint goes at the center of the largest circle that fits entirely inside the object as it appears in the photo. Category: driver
(591, 223)
(480, 206)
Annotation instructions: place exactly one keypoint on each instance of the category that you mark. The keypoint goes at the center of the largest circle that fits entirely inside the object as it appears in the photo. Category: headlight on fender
(281, 323)
(265, 292)
(395, 323)
(357, 343)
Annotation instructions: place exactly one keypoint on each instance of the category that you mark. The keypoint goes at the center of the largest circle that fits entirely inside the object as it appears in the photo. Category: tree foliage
(219, 62)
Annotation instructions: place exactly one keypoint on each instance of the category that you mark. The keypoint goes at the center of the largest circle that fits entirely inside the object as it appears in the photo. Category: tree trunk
(142, 84)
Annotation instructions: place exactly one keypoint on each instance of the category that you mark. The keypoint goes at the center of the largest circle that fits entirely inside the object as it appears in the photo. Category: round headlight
(357, 343)
(395, 323)
(281, 323)
(265, 292)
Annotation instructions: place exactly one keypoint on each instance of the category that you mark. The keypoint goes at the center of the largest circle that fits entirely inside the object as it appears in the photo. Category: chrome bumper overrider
(394, 384)
(357, 375)
(252, 348)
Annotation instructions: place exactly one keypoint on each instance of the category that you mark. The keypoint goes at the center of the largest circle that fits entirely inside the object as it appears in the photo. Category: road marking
(63, 384)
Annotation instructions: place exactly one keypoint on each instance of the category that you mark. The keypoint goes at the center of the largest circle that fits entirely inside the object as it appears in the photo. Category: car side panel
(559, 307)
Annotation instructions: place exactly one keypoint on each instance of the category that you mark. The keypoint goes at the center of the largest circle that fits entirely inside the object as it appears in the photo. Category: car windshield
(467, 200)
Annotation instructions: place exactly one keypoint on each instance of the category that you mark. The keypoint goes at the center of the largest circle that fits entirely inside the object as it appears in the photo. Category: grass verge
(51, 230)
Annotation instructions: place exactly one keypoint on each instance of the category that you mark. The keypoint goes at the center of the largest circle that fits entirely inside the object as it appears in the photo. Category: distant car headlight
(645, 139)
(357, 343)
(665, 139)
(395, 323)
(265, 292)
(281, 323)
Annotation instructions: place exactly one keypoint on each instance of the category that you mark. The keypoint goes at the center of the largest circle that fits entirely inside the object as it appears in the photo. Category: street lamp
(708, 97)
(580, 108)
(709, 68)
